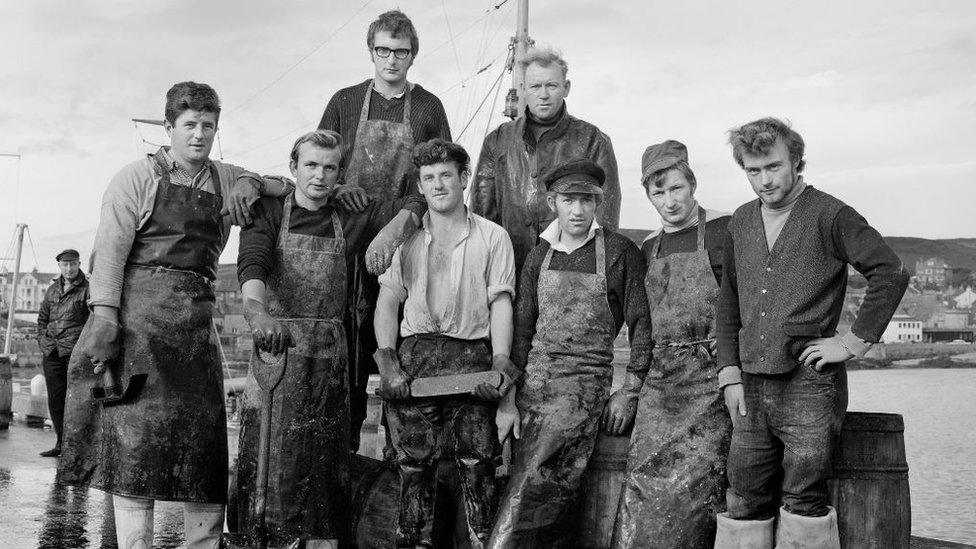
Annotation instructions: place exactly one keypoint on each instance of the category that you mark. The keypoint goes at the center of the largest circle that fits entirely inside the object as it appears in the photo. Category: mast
(515, 100)
(13, 288)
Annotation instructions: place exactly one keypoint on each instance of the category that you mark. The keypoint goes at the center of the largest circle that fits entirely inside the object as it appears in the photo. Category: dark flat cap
(662, 156)
(580, 175)
(67, 255)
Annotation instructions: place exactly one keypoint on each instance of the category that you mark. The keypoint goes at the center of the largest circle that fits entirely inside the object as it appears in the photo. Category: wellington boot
(800, 532)
(743, 534)
(321, 544)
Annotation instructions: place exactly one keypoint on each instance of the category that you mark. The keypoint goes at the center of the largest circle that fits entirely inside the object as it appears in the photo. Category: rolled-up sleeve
(121, 216)
(392, 278)
(501, 265)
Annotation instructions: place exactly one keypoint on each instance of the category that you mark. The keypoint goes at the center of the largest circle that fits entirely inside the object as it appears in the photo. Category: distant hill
(958, 252)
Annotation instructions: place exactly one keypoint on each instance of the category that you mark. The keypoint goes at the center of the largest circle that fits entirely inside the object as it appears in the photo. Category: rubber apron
(170, 441)
(565, 387)
(308, 489)
(675, 481)
(382, 156)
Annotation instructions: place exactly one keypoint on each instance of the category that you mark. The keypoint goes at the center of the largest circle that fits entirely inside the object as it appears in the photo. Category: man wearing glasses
(379, 120)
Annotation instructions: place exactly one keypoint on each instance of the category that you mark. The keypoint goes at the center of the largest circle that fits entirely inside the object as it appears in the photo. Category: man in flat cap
(577, 288)
(62, 316)
(508, 187)
(672, 503)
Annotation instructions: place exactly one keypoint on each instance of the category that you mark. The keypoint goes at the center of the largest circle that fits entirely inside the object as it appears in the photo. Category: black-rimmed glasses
(399, 53)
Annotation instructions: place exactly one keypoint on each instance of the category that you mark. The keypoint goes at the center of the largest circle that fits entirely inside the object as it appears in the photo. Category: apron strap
(601, 257)
(406, 103)
(364, 113)
(285, 229)
(701, 228)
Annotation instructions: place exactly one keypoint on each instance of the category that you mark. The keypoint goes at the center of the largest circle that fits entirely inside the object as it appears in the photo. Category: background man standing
(785, 385)
(59, 322)
(379, 120)
(508, 185)
(578, 287)
(456, 279)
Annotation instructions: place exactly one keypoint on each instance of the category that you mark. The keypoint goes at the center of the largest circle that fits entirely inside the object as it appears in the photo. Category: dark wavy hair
(185, 96)
(759, 136)
(398, 25)
(436, 151)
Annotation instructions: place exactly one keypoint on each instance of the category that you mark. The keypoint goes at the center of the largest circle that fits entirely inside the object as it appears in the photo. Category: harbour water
(940, 432)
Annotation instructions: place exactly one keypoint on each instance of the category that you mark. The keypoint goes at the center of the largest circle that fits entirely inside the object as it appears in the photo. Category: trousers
(56, 378)
(781, 449)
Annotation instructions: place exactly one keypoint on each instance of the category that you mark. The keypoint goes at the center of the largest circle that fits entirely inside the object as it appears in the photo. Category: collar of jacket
(78, 282)
(556, 131)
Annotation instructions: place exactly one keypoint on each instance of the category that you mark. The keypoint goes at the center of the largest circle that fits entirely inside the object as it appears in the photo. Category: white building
(30, 292)
(902, 329)
(966, 299)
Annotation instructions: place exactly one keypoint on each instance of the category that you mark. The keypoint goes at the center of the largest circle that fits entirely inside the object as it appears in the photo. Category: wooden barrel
(6, 392)
(601, 487)
(870, 485)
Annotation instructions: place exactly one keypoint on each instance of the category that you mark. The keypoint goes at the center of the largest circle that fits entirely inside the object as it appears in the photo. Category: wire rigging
(471, 26)
(301, 60)
(30, 239)
(475, 114)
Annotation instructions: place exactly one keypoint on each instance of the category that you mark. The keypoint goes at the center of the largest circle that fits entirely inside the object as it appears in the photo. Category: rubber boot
(744, 534)
(321, 544)
(203, 524)
(133, 522)
(800, 532)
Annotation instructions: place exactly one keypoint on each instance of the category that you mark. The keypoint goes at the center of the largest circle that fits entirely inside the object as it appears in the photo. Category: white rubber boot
(743, 534)
(203, 524)
(133, 522)
(321, 544)
(799, 532)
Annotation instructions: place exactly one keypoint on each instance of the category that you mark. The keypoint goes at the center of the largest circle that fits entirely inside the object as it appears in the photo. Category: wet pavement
(37, 512)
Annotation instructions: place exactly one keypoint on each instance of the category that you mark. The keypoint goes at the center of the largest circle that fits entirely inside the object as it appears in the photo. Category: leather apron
(675, 481)
(382, 156)
(170, 441)
(308, 487)
(565, 387)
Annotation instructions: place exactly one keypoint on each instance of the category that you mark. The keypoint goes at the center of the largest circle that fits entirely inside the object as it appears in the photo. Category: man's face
(575, 212)
(443, 186)
(772, 175)
(69, 268)
(674, 199)
(192, 135)
(391, 70)
(316, 172)
(545, 90)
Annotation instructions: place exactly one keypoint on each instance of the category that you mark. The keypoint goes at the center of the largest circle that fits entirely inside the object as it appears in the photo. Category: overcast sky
(882, 91)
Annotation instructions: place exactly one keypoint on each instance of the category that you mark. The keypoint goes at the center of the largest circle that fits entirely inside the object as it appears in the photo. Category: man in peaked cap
(59, 322)
(577, 288)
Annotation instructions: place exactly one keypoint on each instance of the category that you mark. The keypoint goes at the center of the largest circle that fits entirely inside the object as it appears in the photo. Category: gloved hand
(394, 382)
(100, 340)
(503, 365)
(243, 194)
(619, 412)
(353, 198)
(380, 252)
(266, 332)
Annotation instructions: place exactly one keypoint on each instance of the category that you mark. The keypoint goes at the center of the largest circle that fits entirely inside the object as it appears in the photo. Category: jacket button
(764, 290)
(762, 359)
(763, 313)
(769, 269)
(762, 336)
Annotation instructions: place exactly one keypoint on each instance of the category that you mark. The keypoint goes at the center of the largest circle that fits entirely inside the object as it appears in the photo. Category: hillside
(958, 252)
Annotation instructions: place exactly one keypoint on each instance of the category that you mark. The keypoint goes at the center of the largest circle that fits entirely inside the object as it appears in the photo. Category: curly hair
(544, 56)
(185, 96)
(437, 151)
(398, 25)
(759, 136)
(323, 139)
(656, 179)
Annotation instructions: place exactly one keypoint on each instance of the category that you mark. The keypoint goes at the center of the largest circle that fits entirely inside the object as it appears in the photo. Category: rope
(497, 82)
(30, 239)
(469, 27)
(300, 60)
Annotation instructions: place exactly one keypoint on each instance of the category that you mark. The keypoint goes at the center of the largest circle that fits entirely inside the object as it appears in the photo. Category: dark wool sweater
(256, 253)
(686, 240)
(774, 301)
(625, 270)
(427, 117)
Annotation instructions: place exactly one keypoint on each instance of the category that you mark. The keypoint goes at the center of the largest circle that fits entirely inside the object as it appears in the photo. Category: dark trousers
(56, 377)
(421, 427)
(781, 449)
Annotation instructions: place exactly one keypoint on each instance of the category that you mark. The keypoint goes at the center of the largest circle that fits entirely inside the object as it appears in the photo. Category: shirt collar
(469, 215)
(171, 164)
(552, 232)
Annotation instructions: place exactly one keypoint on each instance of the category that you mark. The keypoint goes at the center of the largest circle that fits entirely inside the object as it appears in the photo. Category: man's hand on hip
(823, 351)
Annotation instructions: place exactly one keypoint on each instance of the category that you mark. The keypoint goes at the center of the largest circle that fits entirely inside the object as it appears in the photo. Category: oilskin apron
(308, 486)
(170, 441)
(382, 155)
(565, 387)
(675, 481)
